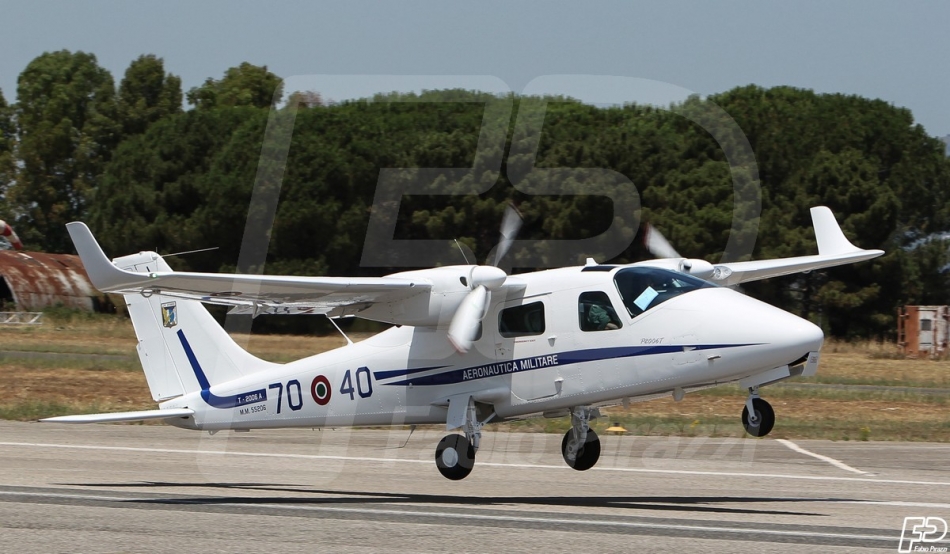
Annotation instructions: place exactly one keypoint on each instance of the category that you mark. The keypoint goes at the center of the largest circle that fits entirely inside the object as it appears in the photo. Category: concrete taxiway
(130, 488)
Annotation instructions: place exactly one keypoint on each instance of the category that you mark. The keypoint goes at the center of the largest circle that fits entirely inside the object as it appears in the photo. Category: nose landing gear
(758, 417)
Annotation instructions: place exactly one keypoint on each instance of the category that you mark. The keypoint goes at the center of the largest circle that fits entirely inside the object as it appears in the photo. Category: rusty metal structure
(923, 331)
(31, 281)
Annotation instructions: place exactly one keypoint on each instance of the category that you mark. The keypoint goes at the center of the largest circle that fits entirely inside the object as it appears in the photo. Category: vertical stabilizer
(181, 347)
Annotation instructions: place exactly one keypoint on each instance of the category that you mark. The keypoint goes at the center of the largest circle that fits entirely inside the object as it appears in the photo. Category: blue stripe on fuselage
(379, 375)
(242, 399)
(505, 367)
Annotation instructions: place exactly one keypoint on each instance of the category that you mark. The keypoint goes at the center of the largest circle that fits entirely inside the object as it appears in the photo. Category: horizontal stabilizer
(122, 416)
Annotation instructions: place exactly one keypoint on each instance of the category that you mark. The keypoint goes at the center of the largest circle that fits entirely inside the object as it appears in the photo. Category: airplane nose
(808, 336)
(790, 333)
(785, 335)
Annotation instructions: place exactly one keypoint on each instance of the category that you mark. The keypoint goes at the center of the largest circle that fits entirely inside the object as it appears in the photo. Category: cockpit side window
(522, 321)
(596, 312)
(642, 288)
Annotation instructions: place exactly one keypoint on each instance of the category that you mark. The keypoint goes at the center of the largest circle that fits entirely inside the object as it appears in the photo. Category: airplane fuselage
(539, 351)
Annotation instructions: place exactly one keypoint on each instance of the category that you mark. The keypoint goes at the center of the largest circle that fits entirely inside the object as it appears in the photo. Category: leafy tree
(186, 183)
(157, 182)
(147, 94)
(67, 126)
(7, 153)
(245, 85)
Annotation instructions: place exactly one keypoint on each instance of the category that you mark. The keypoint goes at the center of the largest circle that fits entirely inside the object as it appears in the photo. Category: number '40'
(364, 383)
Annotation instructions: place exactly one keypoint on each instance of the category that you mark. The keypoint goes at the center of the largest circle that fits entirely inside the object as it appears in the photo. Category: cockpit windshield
(642, 288)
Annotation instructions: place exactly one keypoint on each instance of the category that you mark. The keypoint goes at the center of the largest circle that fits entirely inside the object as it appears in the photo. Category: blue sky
(894, 51)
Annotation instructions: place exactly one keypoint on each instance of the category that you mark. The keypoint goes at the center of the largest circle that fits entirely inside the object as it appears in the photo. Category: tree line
(148, 174)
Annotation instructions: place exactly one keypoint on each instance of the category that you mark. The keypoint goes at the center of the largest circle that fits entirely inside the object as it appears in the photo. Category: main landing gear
(758, 417)
(581, 445)
(455, 455)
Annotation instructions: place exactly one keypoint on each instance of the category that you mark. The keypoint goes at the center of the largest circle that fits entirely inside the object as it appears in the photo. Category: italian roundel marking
(320, 390)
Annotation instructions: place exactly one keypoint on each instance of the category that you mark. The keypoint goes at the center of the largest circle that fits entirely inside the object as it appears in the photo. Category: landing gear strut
(581, 446)
(758, 417)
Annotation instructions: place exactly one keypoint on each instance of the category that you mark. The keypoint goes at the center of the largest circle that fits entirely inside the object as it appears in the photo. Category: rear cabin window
(595, 312)
(642, 288)
(522, 321)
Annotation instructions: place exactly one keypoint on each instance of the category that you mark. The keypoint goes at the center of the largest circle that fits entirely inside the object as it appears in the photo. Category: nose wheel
(758, 417)
(581, 445)
(585, 455)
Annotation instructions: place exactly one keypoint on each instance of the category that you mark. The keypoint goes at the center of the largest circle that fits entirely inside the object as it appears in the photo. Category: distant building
(31, 281)
(922, 331)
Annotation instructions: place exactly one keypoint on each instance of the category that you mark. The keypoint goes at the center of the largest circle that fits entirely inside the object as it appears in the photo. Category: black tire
(587, 454)
(455, 457)
(765, 416)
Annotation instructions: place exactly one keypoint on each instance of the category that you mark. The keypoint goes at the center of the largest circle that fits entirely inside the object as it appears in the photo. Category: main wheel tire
(765, 418)
(455, 457)
(587, 455)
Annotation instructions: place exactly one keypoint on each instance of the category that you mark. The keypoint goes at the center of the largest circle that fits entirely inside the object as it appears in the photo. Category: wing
(255, 294)
(833, 249)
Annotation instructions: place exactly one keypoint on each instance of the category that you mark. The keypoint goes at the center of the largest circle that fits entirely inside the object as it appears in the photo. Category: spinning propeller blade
(464, 326)
(467, 318)
(510, 225)
(657, 244)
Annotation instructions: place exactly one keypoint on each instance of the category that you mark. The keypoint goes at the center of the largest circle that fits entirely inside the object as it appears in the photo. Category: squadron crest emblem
(169, 314)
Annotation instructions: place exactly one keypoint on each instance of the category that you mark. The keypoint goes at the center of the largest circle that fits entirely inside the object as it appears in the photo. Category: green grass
(87, 364)
(32, 410)
(843, 380)
(817, 393)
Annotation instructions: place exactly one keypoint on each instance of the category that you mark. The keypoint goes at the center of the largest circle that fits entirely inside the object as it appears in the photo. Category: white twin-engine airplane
(470, 344)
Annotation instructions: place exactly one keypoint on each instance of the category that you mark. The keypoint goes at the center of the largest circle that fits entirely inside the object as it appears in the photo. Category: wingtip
(828, 234)
(104, 275)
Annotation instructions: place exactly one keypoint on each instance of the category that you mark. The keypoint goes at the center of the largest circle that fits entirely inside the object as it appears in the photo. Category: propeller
(657, 244)
(510, 225)
(484, 278)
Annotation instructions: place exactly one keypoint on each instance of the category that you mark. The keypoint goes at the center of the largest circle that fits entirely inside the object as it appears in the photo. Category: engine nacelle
(450, 285)
(697, 268)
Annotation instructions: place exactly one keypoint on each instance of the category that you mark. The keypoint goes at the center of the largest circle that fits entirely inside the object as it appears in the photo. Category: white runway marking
(900, 503)
(446, 515)
(837, 463)
(490, 464)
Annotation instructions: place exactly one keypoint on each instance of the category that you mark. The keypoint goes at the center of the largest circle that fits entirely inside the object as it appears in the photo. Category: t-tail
(180, 345)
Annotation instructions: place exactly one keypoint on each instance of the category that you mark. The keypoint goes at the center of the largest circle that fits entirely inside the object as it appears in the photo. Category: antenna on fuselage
(189, 252)
(464, 257)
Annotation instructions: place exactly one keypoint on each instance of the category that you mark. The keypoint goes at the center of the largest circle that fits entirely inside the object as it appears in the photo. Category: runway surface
(130, 488)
